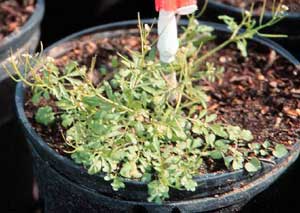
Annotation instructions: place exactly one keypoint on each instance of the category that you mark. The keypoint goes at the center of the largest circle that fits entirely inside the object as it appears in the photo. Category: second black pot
(25, 40)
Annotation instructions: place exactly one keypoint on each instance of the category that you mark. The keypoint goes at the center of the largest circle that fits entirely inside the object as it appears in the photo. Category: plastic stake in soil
(167, 25)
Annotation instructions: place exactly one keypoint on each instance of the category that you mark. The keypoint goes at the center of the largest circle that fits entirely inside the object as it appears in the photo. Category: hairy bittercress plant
(148, 122)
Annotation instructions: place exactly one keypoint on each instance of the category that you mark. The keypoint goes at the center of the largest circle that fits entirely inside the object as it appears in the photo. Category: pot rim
(290, 15)
(34, 19)
(238, 196)
(26, 125)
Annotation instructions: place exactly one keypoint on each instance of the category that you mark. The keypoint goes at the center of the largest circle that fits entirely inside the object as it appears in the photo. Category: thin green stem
(112, 102)
(211, 52)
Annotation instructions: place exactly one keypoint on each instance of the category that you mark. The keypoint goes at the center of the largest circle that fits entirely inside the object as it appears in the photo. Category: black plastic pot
(24, 40)
(67, 187)
(288, 26)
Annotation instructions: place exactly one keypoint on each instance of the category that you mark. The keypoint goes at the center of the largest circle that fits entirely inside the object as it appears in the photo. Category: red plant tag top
(173, 5)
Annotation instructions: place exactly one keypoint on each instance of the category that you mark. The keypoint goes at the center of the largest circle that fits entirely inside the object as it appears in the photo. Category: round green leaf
(280, 151)
(217, 155)
(45, 115)
(253, 165)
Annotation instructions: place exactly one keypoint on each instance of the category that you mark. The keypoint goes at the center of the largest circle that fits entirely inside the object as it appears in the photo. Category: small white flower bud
(284, 8)
(147, 28)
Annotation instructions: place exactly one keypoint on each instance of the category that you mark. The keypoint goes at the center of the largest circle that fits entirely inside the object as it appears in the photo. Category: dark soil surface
(293, 5)
(260, 93)
(14, 14)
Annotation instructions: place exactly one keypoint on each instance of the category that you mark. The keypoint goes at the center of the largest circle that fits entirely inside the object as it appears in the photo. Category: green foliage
(250, 27)
(45, 116)
(280, 151)
(253, 165)
(149, 122)
(236, 133)
(157, 191)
